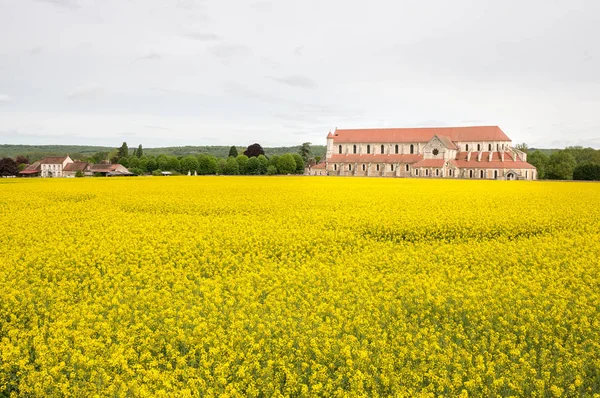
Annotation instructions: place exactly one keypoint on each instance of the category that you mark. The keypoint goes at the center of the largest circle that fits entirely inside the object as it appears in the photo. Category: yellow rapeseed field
(296, 286)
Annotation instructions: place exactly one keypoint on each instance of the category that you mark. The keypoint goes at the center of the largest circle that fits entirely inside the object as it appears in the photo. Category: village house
(479, 152)
(54, 167)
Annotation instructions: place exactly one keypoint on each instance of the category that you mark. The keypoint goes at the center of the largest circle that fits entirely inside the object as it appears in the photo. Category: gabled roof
(425, 134)
(53, 160)
(375, 158)
(319, 166)
(35, 167)
(76, 166)
(446, 141)
(103, 168)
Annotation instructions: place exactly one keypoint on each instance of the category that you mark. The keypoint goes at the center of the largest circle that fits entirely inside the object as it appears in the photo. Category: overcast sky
(225, 72)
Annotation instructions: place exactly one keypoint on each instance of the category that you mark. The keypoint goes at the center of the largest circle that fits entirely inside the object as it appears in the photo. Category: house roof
(446, 141)
(103, 168)
(35, 167)
(319, 166)
(425, 134)
(430, 163)
(53, 160)
(375, 158)
(494, 164)
(76, 166)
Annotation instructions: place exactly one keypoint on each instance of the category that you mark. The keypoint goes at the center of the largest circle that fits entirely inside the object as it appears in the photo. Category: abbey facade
(479, 152)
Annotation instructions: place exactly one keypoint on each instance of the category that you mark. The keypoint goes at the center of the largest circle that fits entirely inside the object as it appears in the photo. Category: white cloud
(85, 91)
(283, 72)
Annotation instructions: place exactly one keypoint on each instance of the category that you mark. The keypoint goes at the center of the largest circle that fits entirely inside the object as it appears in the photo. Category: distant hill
(35, 152)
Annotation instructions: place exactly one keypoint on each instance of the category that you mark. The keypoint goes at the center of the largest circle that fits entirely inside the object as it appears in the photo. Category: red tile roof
(494, 164)
(374, 158)
(53, 160)
(473, 133)
(35, 167)
(319, 166)
(446, 141)
(76, 166)
(103, 168)
(430, 163)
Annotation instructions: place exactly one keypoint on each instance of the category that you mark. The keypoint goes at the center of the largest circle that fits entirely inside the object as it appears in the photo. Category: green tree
(140, 152)
(299, 163)
(189, 163)
(540, 161)
(151, 164)
(286, 164)
(274, 161)
(231, 167)
(78, 174)
(163, 162)
(133, 161)
(253, 166)
(317, 159)
(305, 152)
(123, 151)
(233, 152)
(99, 157)
(173, 164)
(221, 163)
(583, 155)
(561, 166)
(271, 170)
(264, 163)
(587, 172)
(242, 163)
(207, 164)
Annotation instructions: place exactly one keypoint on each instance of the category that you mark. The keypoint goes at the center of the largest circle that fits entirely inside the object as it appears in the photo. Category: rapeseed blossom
(292, 286)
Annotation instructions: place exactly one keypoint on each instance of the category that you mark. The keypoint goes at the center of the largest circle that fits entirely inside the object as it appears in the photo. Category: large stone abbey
(479, 152)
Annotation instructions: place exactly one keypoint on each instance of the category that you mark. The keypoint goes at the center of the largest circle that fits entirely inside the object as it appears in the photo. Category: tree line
(251, 162)
(571, 163)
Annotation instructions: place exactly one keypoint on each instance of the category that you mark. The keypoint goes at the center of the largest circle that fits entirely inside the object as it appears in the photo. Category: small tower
(329, 145)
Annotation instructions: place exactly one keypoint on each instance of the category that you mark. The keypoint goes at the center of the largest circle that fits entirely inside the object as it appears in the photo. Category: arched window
(437, 172)
(467, 146)
(340, 149)
(368, 148)
(526, 174)
(490, 147)
(392, 167)
(412, 148)
(416, 172)
(382, 149)
(497, 147)
(354, 149)
(450, 173)
(349, 167)
(480, 173)
(396, 148)
(377, 167)
(363, 167)
(470, 173)
(478, 147)
(426, 172)
(495, 174)
(407, 168)
(335, 167)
